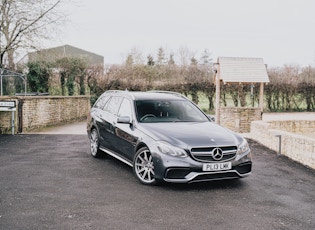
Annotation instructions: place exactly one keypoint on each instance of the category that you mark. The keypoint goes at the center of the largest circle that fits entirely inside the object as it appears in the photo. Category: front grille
(205, 154)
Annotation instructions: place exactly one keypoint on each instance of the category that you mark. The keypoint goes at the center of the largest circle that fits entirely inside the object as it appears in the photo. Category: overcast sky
(279, 31)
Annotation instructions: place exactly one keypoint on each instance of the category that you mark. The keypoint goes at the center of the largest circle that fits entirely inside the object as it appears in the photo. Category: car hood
(191, 134)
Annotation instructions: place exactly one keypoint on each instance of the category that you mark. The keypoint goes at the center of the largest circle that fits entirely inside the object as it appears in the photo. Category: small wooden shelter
(239, 70)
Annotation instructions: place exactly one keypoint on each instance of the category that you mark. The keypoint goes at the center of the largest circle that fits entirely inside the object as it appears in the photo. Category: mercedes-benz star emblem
(217, 154)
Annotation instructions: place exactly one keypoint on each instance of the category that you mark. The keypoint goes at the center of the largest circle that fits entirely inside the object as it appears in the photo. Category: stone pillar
(239, 119)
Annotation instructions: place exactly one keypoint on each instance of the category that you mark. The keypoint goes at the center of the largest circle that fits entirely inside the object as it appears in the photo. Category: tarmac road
(52, 182)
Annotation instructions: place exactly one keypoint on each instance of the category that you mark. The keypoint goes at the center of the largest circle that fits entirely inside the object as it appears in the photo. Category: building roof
(239, 69)
(56, 53)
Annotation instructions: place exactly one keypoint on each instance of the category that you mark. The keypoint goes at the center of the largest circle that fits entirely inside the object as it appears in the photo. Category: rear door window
(100, 103)
(113, 105)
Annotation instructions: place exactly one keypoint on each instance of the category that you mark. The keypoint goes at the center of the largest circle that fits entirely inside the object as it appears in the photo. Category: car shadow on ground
(206, 185)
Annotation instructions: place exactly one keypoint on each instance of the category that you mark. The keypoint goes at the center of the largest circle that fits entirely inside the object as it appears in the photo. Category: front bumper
(187, 170)
(178, 175)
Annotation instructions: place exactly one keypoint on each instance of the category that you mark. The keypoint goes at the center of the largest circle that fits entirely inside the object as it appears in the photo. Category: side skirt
(115, 155)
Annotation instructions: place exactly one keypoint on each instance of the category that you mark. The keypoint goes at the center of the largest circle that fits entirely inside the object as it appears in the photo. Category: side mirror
(124, 120)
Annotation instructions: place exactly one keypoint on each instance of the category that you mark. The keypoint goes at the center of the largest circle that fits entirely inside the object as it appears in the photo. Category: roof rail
(169, 92)
(114, 91)
(127, 92)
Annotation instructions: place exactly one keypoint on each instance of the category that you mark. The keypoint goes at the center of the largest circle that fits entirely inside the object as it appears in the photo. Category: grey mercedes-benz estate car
(165, 137)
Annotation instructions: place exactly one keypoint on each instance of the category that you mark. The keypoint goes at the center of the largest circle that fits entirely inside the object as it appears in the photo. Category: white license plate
(217, 166)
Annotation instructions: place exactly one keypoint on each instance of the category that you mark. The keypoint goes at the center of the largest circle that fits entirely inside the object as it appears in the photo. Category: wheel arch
(140, 145)
(92, 126)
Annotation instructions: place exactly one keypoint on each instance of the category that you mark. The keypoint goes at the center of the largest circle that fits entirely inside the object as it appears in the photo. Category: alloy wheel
(143, 166)
(94, 143)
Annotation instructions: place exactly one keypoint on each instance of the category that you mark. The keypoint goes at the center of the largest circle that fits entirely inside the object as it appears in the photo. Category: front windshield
(152, 111)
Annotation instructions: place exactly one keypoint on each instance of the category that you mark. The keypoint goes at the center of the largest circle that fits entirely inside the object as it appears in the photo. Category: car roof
(148, 95)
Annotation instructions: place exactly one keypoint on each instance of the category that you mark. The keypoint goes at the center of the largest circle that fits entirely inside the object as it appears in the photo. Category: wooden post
(261, 97)
(217, 96)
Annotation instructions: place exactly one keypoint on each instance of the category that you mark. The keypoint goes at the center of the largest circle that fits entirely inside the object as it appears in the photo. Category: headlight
(171, 150)
(243, 147)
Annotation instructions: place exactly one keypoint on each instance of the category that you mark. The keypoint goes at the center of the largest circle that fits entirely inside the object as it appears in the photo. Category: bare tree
(185, 55)
(135, 57)
(161, 59)
(206, 58)
(24, 23)
(171, 60)
(129, 61)
(150, 60)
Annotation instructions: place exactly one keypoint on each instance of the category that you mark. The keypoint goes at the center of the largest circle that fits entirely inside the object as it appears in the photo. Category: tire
(143, 167)
(95, 144)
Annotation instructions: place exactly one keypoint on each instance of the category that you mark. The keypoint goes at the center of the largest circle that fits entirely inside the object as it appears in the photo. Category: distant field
(204, 102)
(297, 103)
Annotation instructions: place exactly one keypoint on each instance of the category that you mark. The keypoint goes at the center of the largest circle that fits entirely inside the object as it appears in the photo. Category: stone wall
(5, 121)
(305, 127)
(239, 119)
(294, 144)
(40, 111)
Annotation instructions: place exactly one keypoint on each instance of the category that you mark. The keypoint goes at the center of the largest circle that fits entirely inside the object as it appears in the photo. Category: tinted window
(125, 109)
(168, 111)
(113, 105)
